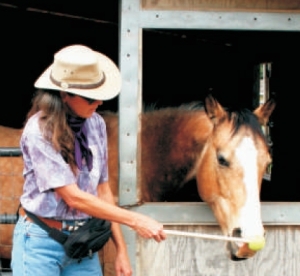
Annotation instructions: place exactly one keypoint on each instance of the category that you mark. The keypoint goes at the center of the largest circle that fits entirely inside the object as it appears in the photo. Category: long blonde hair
(53, 123)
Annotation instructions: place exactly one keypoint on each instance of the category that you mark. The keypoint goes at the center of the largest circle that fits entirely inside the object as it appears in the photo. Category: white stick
(205, 236)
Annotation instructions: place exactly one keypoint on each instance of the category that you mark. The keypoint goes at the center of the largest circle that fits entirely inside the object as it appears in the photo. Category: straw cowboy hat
(79, 70)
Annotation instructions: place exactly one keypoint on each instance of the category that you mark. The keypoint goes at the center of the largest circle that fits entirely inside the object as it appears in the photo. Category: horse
(225, 151)
(11, 182)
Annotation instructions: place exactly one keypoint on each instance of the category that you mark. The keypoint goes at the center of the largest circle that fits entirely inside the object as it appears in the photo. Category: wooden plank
(174, 213)
(254, 5)
(194, 256)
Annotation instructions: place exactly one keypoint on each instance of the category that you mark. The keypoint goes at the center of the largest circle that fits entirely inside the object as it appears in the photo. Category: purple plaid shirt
(45, 169)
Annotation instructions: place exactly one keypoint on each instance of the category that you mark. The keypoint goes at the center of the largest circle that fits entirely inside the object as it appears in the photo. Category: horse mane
(191, 106)
(240, 117)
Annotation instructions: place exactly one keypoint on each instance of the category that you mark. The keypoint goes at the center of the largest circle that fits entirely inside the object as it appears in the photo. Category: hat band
(65, 85)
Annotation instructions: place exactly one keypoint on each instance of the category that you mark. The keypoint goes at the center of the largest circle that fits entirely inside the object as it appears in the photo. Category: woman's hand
(148, 228)
(122, 264)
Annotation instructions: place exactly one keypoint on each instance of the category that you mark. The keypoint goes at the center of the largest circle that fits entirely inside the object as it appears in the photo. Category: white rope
(206, 236)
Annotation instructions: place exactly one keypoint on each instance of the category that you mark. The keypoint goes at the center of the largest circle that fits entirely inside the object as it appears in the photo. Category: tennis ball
(257, 243)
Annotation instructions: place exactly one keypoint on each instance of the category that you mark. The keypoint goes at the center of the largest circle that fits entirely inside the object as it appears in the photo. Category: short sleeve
(48, 166)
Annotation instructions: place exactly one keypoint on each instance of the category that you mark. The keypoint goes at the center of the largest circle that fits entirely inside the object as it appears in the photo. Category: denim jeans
(34, 253)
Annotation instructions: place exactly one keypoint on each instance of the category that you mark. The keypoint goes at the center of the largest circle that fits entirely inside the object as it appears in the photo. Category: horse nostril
(237, 232)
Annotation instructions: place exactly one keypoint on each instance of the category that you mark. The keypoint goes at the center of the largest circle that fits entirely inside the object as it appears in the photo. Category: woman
(65, 167)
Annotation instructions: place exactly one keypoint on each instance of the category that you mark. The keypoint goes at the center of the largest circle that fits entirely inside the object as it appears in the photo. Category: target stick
(206, 236)
(255, 244)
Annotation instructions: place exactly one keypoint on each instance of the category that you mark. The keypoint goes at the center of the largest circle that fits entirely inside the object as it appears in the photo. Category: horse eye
(222, 161)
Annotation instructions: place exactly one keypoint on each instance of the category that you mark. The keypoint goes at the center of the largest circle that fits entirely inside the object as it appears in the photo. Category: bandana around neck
(81, 145)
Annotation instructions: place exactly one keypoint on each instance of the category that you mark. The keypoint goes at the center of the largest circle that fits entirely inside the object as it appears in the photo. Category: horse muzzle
(240, 251)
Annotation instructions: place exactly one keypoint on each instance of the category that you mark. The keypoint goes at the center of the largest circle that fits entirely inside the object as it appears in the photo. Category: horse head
(231, 170)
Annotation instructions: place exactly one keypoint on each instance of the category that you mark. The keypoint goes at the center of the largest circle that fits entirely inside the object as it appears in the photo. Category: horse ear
(214, 110)
(264, 111)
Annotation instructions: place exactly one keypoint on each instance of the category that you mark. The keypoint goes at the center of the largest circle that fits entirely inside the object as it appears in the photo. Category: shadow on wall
(27, 48)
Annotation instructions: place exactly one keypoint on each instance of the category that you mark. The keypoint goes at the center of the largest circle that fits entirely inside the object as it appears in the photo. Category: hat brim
(108, 90)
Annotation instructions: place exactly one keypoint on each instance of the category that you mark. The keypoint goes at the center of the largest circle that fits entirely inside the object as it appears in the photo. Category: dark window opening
(181, 66)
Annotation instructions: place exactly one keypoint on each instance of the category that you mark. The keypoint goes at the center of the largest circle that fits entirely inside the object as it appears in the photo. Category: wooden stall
(182, 255)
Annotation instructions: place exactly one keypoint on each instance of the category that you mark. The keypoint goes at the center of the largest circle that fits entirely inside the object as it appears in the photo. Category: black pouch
(87, 239)
(84, 241)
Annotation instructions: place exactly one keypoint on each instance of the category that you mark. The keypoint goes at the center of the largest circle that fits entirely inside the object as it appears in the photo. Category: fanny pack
(82, 242)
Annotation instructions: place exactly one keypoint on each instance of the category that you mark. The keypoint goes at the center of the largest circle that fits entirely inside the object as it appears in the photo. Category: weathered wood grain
(187, 256)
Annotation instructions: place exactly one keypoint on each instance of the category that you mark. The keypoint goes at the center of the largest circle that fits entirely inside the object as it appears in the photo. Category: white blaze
(250, 216)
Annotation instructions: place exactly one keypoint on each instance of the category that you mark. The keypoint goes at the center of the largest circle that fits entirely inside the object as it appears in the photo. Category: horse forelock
(244, 118)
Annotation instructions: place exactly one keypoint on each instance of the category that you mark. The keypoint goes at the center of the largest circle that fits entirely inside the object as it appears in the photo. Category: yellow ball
(257, 243)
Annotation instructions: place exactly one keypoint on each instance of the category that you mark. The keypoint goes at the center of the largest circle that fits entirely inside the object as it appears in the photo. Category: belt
(58, 224)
